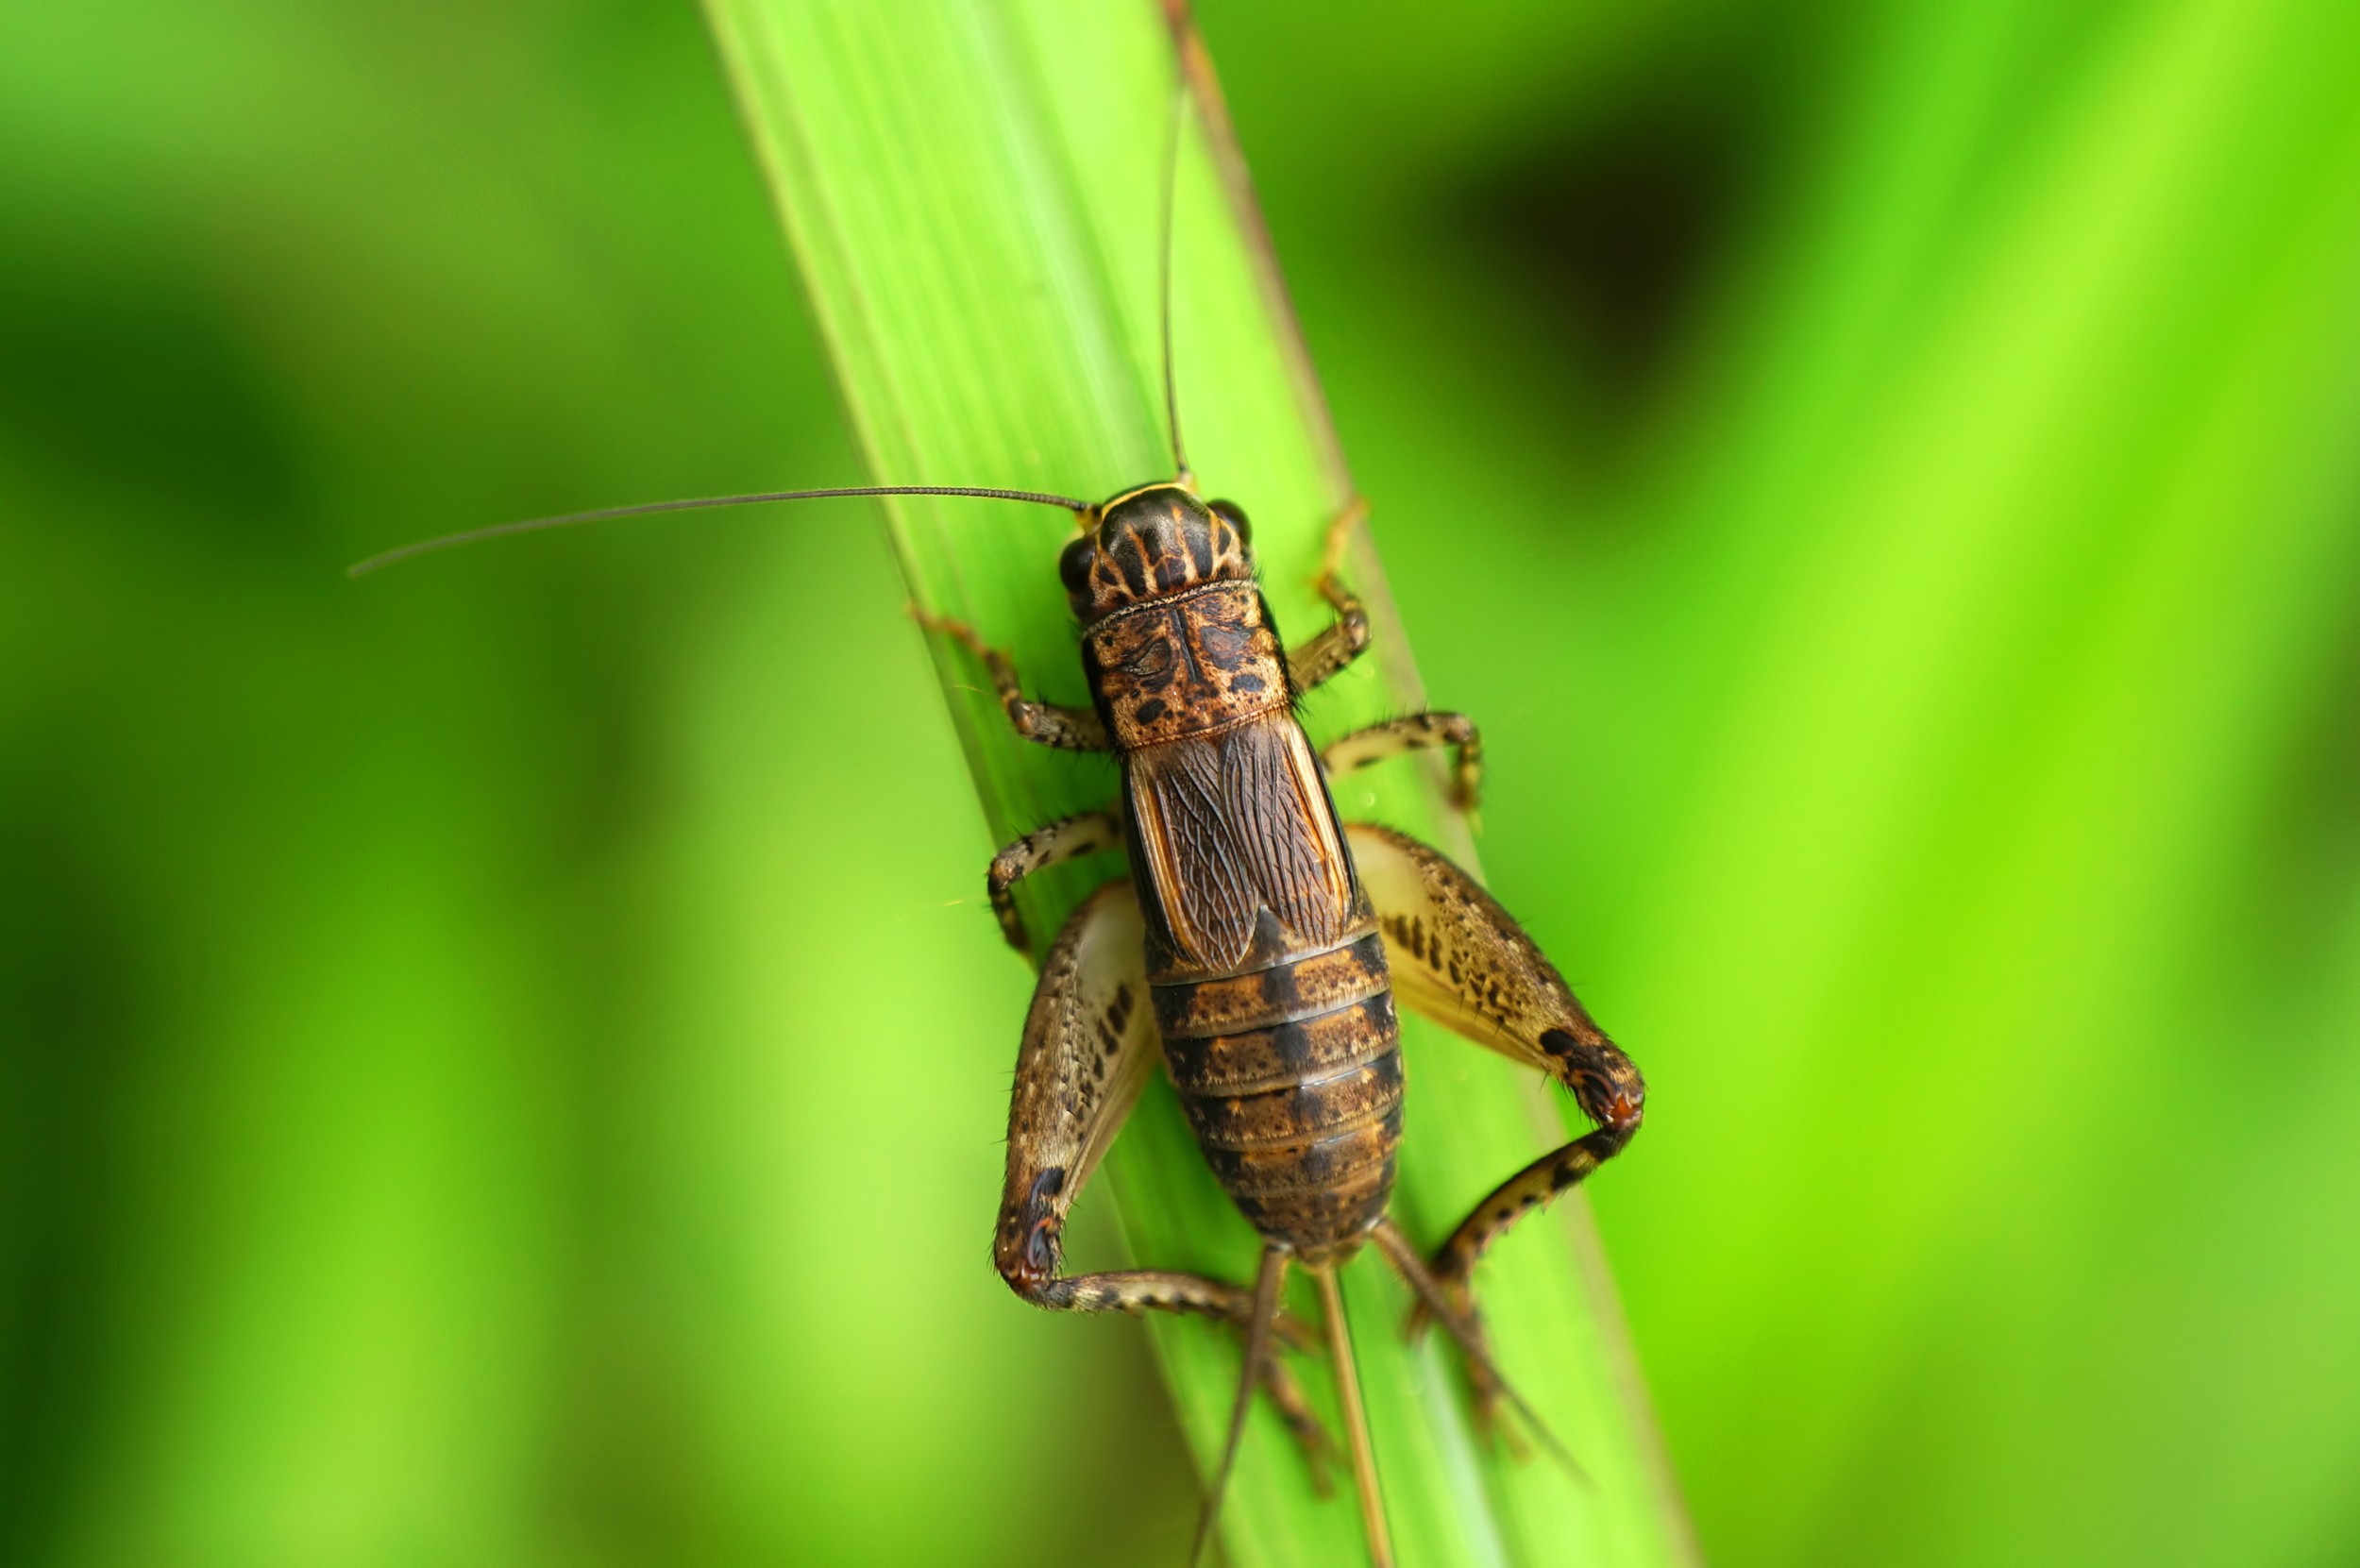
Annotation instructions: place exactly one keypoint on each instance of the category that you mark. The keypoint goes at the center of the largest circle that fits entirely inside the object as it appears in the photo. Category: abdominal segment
(1290, 1076)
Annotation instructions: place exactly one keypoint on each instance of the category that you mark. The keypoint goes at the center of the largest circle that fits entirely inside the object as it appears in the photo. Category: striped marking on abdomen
(1291, 1079)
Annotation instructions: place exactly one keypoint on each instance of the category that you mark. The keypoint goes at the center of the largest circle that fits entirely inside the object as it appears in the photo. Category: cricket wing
(1090, 1043)
(1229, 826)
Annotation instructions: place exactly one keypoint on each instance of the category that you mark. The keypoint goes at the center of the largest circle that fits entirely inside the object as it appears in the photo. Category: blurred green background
(504, 1063)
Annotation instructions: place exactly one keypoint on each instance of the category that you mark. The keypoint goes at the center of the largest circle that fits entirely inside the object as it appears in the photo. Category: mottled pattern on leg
(1532, 1188)
(1090, 1046)
(1400, 737)
(1345, 641)
(1043, 723)
(1140, 1291)
(1069, 839)
(1461, 960)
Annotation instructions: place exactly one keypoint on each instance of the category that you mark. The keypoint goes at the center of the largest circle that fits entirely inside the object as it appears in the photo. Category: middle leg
(1399, 737)
(1067, 838)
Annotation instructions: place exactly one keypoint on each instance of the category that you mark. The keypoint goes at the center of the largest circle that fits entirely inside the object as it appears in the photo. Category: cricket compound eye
(1073, 565)
(1234, 514)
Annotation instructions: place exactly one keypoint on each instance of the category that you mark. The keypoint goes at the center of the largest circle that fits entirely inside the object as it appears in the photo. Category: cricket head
(1151, 541)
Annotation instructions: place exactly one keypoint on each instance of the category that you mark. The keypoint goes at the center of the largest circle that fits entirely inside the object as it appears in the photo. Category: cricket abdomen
(1290, 1076)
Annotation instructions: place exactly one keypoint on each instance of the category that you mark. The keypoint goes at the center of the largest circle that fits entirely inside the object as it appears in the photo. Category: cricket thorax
(1191, 663)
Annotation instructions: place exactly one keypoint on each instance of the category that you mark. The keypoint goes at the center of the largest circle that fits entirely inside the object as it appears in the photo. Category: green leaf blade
(972, 192)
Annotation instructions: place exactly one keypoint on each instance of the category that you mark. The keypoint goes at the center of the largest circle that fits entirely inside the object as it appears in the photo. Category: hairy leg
(1067, 838)
(1348, 637)
(1461, 960)
(1400, 737)
(1090, 1046)
(1044, 723)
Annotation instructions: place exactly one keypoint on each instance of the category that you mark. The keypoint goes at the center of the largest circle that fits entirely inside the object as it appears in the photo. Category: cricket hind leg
(1610, 1091)
(1067, 838)
(1090, 1046)
(1401, 737)
(1140, 1291)
(1043, 723)
(1458, 959)
(1347, 638)
(1532, 1188)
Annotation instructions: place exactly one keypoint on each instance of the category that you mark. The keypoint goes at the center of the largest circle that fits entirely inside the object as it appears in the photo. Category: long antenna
(1163, 280)
(451, 541)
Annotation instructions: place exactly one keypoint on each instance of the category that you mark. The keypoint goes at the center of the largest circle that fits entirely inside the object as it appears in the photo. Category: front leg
(1043, 723)
(1399, 737)
(1067, 838)
(1343, 642)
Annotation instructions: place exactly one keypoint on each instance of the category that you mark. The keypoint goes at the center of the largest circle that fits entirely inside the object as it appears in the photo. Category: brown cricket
(1256, 948)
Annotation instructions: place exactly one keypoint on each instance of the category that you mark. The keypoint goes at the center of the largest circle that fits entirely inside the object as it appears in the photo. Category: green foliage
(503, 1063)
